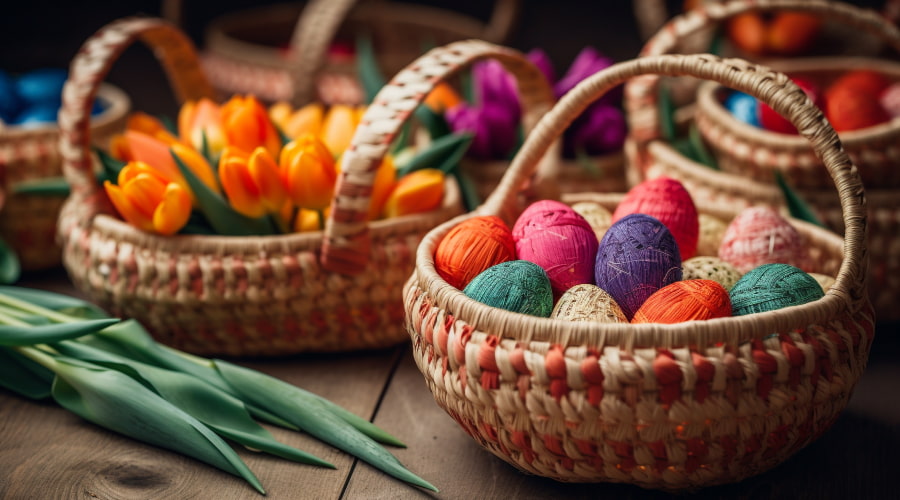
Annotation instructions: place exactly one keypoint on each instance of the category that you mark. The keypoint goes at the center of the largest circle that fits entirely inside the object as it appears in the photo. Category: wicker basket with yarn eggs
(654, 259)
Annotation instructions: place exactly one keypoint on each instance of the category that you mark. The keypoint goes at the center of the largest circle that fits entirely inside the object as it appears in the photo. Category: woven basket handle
(319, 23)
(773, 88)
(93, 61)
(642, 94)
(346, 244)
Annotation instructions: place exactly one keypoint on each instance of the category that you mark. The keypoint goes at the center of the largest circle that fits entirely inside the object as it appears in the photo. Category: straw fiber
(665, 406)
(333, 290)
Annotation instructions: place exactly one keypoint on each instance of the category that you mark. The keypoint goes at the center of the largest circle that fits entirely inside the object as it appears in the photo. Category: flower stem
(36, 309)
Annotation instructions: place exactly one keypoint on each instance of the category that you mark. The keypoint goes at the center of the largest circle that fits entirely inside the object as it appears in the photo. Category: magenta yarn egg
(668, 201)
(552, 235)
(760, 235)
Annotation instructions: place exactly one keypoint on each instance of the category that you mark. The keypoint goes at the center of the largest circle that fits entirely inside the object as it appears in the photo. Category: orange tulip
(148, 201)
(150, 125)
(280, 112)
(442, 98)
(309, 172)
(310, 220)
(385, 180)
(417, 192)
(306, 120)
(199, 118)
(247, 125)
(253, 183)
(197, 164)
(338, 127)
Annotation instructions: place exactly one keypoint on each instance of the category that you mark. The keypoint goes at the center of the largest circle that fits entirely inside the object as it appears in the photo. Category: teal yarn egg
(516, 285)
(773, 286)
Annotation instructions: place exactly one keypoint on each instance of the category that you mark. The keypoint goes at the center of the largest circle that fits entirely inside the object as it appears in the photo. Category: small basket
(662, 406)
(28, 221)
(749, 157)
(281, 52)
(332, 290)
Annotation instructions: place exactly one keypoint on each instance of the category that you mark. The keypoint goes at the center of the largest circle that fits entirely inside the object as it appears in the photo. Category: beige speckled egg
(711, 230)
(598, 216)
(825, 281)
(586, 302)
(710, 268)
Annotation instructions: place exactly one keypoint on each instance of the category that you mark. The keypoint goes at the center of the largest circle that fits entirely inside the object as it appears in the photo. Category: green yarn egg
(773, 286)
(517, 285)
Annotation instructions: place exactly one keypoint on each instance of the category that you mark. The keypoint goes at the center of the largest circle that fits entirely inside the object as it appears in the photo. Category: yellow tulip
(416, 192)
(338, 127)
(247, 125)
(309, 172)
(252, 183)
(146, 200)
(310, 220)
(306, 120)
(280, 112)
(199, 118)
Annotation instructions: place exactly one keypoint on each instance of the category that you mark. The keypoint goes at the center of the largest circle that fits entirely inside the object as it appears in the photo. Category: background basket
(661, 406)
(749, 156)
(28, 221)
(336, 290)
(281, 52)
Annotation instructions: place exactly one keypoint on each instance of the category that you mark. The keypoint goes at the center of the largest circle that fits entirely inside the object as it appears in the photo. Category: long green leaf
(284, 400)
(444, 153)
(44, 186)
(797, 206)
(666, 113)
(10, 266)
(49, 304)
(467, 189)
(434, 123)
(114, 400)
(370, 75)
(222, 412)
(224, 219)
(110, 167)
(15, 335)
(20, 374)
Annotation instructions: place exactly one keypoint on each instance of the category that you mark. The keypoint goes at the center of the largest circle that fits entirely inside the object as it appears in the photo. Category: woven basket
(671, 407)
(28, 221)
(280, 52)
(336, 290)
(750, 156)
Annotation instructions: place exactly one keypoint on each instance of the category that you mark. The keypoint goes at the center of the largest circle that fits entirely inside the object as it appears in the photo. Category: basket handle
(346, 244)
(319, 23)
(773, 88)
(641, 95)
(93, 61)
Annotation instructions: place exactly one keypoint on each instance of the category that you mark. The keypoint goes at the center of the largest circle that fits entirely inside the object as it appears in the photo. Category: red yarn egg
(668, 201)
(471, 247)
(760, 235)
(687, 300)
(554, 236)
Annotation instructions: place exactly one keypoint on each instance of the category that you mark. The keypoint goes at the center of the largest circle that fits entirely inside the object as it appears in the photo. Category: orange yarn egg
(687, 300)
(473, 246)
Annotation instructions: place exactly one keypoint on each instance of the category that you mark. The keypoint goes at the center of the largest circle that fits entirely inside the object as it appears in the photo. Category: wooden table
(46, 452)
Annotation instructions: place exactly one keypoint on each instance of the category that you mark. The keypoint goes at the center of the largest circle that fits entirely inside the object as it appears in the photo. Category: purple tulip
(586, 63)
(496, 87)
(540, 59)
(495, 129)
(600, 129)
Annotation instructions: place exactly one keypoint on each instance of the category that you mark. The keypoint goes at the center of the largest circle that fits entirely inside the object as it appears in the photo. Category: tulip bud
(308, 169)
(417, 192)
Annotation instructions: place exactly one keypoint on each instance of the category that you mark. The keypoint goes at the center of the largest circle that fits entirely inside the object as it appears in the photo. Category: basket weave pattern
(335, 290)
(662, 406)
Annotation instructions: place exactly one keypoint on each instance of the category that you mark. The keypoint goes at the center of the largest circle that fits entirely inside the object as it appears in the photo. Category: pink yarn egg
(552, 235)
(760, 235)
(668, 201)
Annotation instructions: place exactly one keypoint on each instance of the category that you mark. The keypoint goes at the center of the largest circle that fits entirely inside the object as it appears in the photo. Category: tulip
(600, 129)
(540, 59)
(494, 129)
(197, 119)
(197, 164)
(382, 186)
(309, 220)
(246, 124)
(280, 112)
(442, 98)
(338, 127)
(150, 125)
(308, 170)
(586, 63)
(306, 120)
(148, 201)
(253, 182)
(416, 192)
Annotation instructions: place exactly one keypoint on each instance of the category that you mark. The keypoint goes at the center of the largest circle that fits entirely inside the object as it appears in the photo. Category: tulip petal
(173, 211)
(126, 208)
(385, 180)
(338, 127)
(418, 192)
(266, 175)
(153, 152)
(306, 120)
(241, 190)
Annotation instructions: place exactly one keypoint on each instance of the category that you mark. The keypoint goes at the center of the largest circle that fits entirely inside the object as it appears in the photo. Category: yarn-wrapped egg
(471, 247)
(586, 302)
(552, 235)
(710, 268)
(686, 300)
(824, 280)
(712, 229)
(515, 285)
(760, 235)
(598, 216)
(637, 256)
(773, 286)
(668, 201)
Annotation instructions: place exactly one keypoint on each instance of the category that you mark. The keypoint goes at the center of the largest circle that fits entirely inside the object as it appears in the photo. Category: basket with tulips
(224, 237)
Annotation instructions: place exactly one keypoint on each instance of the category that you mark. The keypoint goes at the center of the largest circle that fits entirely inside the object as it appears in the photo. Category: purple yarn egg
(637, 256)
(552, 235)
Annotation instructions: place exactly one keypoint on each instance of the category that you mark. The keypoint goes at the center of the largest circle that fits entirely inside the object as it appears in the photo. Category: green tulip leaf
(443, 153)
(15, 335)
(295, 405)
(223, 219)
(44, 186)
(220, 411)
(467, 189)
(44, 303)
(118, 402)
(666, 114)
(700, 152)
(797, 206)
(10, 266)
(23, 376)
(110, 167)
(370, 74)
(434, 123)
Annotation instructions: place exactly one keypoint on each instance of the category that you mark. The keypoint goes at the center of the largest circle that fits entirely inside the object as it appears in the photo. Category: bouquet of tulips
(241, 168)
